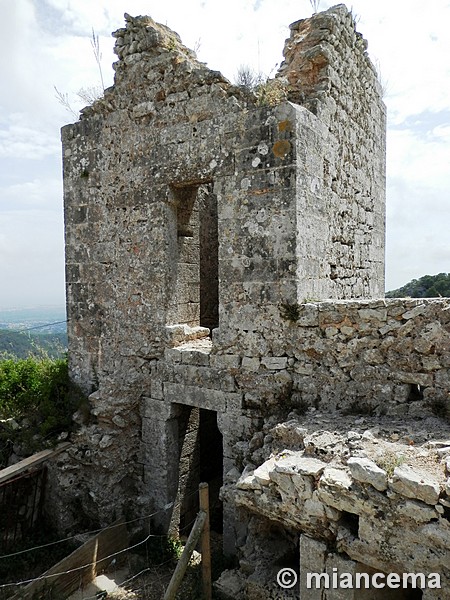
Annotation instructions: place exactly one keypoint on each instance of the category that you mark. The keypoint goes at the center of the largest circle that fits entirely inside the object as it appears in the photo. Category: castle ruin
(225, 294)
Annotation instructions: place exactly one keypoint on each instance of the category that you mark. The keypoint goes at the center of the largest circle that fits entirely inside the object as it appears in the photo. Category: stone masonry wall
(190, 207)
(137, 168)
(375, 491)
(329, 72)
(372, 354)
(225, 254)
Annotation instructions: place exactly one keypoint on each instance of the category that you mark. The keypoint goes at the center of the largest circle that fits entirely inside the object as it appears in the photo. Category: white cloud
(411, 41)
(22, 140)
(48, 44)
(419, 159)
(37, 194)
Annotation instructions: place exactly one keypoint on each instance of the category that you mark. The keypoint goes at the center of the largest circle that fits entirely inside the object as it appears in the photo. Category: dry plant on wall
(384, 83)
(247, 78)
(315, 4)
(87, 94)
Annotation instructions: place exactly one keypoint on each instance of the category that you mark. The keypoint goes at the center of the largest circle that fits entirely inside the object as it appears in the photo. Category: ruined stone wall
(329, 72)
(368, 354)
(367, 495)
(190, 207)
(170, 125)
(173, 149)
(121, 178)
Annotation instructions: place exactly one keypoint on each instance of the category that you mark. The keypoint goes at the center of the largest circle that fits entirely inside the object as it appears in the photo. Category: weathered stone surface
(274, 362)
(176, 177)
(298, 463)
(366, 471)
(417, 511)
(412, 484)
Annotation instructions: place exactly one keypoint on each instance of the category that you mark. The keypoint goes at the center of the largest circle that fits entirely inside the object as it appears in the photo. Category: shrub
(38, 395)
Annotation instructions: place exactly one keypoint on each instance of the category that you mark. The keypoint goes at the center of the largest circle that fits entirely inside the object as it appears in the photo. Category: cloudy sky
(46, 43)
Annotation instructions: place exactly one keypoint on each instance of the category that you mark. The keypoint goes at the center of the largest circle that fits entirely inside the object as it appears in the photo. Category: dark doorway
(201, 460)
(211, 464)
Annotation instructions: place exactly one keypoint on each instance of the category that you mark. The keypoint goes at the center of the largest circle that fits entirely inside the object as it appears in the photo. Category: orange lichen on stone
(281, 148)
(285, 125)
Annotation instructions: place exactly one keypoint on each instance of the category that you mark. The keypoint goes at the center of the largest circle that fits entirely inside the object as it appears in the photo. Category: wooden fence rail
(30, 462)
(81, 567)
(200, 528)
(22, 496)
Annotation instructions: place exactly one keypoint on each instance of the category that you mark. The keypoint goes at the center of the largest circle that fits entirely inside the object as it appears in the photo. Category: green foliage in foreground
(428, 286)
(38, 395)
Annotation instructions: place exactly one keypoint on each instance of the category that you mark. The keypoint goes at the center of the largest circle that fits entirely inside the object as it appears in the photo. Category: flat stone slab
(412, 484)
(336, 478)
(299, 463)
(365, 470)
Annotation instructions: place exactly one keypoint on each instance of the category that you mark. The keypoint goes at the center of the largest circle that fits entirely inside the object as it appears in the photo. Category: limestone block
(312, 560)
(290, 434)
(201, 397)
(155, 409)
(315, 508)
(227, 383)
(156, 389)
(431, 363)
(248, 481)
(309, 315)
(417, 511)
(250, 364)
(423, 379)
(274, 362)
(225, 361)
(198, 358)
(391, 325)
(373, 314)
(414, 312)
(172, 355)
(408, 482)
(304, 465)
(336, 478)
(366, 471)
(335, 489)
(443, 378)
(262, 473)
(286, 488)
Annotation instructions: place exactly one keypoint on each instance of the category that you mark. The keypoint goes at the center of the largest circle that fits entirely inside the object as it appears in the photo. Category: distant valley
(33, 330)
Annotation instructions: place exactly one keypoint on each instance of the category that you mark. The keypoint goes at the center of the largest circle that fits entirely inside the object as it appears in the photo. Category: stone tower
(195, 206)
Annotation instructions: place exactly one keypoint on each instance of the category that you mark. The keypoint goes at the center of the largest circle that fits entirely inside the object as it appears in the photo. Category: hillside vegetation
(23, 344)
(428, 286)
(37, 401)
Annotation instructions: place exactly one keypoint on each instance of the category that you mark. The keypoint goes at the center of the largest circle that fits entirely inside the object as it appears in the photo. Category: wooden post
(205, 543)
(185, 557)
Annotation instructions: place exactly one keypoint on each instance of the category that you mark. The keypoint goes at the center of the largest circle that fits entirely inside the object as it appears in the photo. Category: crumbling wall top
(325, 54)
(157, 77)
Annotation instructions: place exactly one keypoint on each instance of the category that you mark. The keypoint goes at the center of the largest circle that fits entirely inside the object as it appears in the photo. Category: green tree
(428, 286)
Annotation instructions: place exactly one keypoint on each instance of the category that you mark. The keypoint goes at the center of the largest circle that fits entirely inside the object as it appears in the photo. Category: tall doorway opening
(201, 460)
(195, 263)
